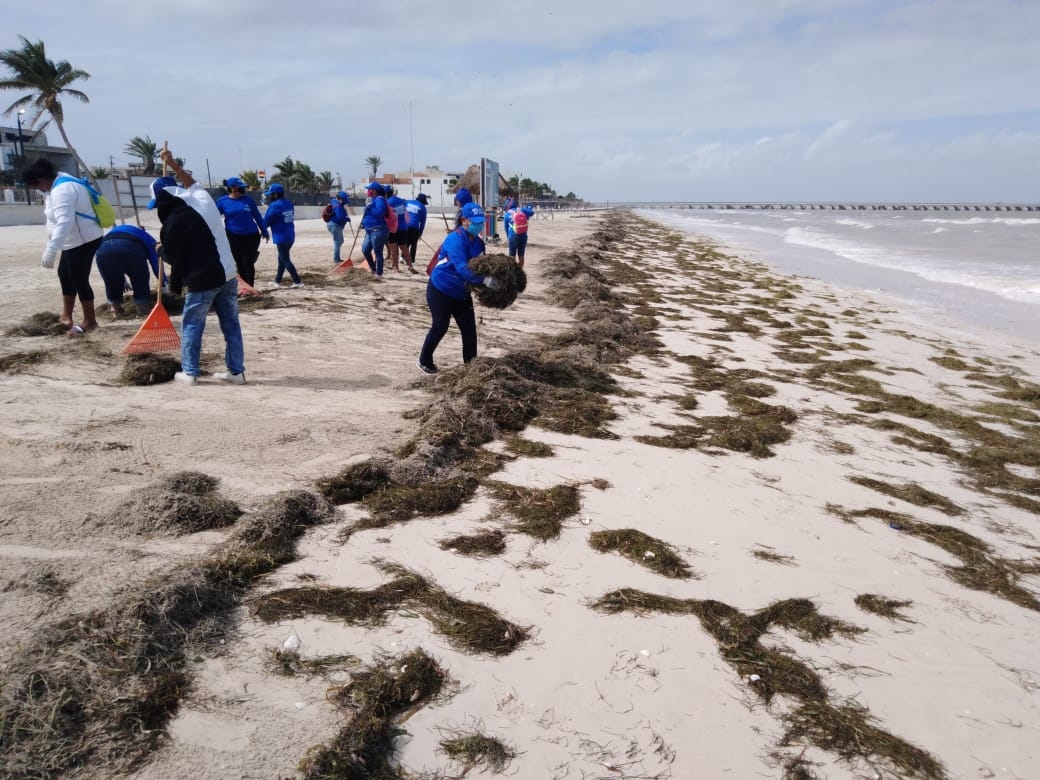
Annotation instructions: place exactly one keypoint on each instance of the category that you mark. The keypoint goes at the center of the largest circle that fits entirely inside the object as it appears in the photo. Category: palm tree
(46, 82)
(100, 172)
(286, 168)
(144, 149)
(373, 164)
(251, 179)
(302, 179)
(324, 181)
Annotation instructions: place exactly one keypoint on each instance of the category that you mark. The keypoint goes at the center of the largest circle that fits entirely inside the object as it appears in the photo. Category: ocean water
(962, 268)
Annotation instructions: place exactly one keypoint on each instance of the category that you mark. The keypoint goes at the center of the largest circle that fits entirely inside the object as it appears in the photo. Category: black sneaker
(426, 369)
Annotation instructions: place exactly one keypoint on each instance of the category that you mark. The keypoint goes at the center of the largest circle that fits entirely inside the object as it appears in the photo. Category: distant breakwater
(824, 206)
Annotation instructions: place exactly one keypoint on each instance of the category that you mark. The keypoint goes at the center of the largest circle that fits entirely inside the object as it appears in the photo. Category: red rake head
(342, 267)
(156, 334)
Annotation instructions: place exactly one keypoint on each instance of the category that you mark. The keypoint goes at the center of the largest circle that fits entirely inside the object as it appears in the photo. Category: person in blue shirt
(374, 223)
(126, 251)
(397, 240)
(447, 293)
(340, 217)
(462, 197)
(516, 221)
(244, 227)
(279, 219)
(415, 224)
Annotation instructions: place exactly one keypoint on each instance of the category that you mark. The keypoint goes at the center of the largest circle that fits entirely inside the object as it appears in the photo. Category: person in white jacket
(74, 235)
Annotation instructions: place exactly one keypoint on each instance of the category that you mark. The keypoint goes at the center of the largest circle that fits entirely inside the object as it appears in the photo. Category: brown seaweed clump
(478, 545)
(643, 549)
(473, 749)
(42, 323)
(149, 369)
(183, 503)
(509, 280)
(467, 625)
(376, 698)
(843, 728)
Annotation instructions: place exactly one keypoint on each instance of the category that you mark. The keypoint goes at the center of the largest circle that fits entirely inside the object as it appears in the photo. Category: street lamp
(21, 153)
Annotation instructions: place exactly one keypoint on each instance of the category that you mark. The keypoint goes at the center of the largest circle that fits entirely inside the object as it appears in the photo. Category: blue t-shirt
(375, 214)
(241, 216)
(415, 215)
(279, 218)
(339, 214)
(451, 274)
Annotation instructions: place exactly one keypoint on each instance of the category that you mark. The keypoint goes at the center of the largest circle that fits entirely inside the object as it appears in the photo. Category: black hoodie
(188, 246)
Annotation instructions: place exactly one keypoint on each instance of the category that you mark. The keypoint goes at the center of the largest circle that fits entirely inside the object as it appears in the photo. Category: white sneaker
(298, 285)
(186, 379)
(231, 379)
(274, 285)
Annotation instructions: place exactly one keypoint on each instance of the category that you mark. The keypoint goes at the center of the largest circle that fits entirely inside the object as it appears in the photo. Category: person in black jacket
(196, 247)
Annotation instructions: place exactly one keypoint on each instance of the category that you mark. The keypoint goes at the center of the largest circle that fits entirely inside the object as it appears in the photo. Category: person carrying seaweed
(448, 291)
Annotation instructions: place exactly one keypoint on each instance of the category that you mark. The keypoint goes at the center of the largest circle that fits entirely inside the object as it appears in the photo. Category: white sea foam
(856, 223)
(1013, 221)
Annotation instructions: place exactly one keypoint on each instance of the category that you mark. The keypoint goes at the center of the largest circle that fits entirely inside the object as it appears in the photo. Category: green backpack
(104, 214)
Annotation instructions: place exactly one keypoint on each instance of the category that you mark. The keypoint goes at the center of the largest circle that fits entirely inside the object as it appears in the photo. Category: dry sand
(643, 694)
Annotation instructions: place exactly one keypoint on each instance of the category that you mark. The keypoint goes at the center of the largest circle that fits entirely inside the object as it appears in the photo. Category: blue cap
(463, 196)
(473, 212)
(342, 195)
(234, 181)
(158, 186)
(275, 188)
(374, 185)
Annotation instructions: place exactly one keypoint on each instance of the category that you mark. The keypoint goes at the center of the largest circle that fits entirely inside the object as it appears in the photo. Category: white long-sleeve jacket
(65, 228)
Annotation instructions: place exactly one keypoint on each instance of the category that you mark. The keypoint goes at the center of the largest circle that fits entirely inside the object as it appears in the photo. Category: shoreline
(961, 307)
(642, 690)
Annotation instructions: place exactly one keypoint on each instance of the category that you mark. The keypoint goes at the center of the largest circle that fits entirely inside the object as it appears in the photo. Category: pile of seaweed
(42, 323)
(149, 369)
(99, 688)
(509, 280)
(182, 503)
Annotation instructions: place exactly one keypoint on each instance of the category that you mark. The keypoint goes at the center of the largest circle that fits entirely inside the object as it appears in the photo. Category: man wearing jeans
(196, 247)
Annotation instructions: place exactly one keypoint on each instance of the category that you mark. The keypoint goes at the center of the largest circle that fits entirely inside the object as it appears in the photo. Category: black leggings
(74, 270)
(245, 249)
(444, 308)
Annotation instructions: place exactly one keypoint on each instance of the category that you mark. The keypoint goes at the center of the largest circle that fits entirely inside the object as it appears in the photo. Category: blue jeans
(375, 239)
(224, 301)
(337, 240)
(119, 257)
(285, 264)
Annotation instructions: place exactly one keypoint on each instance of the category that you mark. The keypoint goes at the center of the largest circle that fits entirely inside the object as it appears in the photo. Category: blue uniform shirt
(375, 214)
(279, 218)
(415, 215)
(451, 274)
(339, 214)
(241, 216)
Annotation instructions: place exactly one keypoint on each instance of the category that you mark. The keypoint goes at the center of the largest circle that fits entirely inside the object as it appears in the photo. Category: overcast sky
(637, 100)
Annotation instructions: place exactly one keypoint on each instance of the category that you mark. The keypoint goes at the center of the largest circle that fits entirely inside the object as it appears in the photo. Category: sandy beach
(731, 524)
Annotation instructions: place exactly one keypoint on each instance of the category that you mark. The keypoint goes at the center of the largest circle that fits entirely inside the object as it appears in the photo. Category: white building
(35, 144)
(437, 185)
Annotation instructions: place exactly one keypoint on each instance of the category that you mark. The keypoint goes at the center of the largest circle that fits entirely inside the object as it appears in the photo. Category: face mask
(475, 228)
